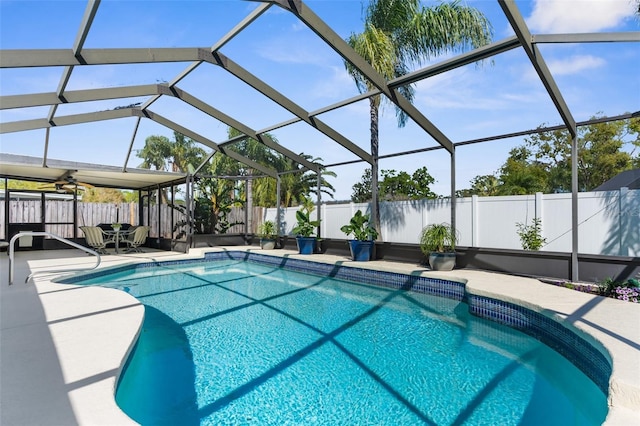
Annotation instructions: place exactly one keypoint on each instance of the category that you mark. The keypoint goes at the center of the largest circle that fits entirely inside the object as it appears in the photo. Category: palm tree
(401, 34)
(156, 151)
(263, 190)
(296, 187)
(186, 155)
(250, 148)
(178, 155)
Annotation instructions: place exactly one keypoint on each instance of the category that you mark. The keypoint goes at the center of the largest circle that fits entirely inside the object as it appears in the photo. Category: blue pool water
(239, 343)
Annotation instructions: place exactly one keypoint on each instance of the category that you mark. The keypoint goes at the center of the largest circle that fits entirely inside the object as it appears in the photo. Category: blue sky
(467, 103)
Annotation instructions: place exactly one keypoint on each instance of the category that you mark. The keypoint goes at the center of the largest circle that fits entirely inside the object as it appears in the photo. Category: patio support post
(574, 206)
(189, 210)
(140, 207)
(453, 189)
(319, 196)
(43, 209)
(375, 201)
(6, 211)
(278, 205)
(159, 212)
(173, 203)
(75, 215)
(247, 201)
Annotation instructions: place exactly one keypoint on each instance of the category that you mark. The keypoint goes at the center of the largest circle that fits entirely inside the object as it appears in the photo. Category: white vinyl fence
(609, 221)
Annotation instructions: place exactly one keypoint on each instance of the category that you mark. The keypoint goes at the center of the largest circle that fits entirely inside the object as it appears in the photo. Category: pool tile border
(550, 332)
(437, 287)
(565, 341)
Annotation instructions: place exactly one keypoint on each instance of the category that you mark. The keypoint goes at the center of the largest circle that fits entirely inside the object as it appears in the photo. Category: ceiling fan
(67, 184)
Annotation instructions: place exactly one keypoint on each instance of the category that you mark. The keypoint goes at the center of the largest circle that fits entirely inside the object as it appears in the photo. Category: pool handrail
(57, 237)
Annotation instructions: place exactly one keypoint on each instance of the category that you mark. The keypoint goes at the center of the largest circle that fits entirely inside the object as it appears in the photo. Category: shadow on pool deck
(30, 369)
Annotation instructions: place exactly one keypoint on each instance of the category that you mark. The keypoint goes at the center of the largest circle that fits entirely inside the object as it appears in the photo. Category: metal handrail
(57, 237)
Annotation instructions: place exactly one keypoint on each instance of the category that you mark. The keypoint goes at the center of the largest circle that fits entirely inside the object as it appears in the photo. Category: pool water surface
(235, 342)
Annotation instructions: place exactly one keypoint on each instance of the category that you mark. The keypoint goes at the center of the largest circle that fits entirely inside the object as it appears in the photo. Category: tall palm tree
(178, 155)
(399, 35)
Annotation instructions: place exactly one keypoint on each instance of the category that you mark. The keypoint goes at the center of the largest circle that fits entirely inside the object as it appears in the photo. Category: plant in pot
(362, 245)
(438, 243)
(305, 227)
(267, 233)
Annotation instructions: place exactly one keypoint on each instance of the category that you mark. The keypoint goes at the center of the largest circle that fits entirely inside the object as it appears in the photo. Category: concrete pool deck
(63, 346)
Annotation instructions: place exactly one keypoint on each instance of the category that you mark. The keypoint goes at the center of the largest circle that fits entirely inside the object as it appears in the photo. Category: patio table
(116, 233)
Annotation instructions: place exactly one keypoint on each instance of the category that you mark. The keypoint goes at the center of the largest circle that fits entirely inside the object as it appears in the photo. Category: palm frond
(446, 27)
(389, 15)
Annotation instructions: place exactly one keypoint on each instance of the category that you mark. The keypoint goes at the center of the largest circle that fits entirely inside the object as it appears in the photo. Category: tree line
(541, 164)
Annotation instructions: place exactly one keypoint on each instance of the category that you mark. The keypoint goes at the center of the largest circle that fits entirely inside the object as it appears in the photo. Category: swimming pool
(248, 343)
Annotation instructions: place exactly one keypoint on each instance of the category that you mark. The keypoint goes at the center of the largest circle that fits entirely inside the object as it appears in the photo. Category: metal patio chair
(136, 238)
(96, 238)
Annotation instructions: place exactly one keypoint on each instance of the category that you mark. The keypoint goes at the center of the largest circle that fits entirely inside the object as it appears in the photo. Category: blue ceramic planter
(306, 245)
(361, 250)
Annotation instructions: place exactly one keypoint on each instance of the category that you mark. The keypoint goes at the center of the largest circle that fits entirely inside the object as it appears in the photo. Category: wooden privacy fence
(58, 215)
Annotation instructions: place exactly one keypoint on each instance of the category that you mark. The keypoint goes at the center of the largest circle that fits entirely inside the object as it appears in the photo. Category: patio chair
(136, 238)
(96, 238)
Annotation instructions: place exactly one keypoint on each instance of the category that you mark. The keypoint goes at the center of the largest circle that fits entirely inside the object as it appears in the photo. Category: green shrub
(438, 237)
(305, 227)
(267, 230)
(531, 235)
(360, 228)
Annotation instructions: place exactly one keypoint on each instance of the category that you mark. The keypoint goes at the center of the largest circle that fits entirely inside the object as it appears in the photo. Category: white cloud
(575, 64)
(283, 50)
(459, 90)
(566, 66)
(336, 83)
(566, 16)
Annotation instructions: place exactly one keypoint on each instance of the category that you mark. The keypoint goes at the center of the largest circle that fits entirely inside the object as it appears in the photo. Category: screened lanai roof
(87, 85)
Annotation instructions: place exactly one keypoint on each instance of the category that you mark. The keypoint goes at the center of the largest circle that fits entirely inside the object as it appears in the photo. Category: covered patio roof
(32, 168)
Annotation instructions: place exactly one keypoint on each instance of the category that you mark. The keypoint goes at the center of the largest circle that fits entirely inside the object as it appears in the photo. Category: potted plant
(305, 227)
(362, 245)
(438, 243)
(267, 233)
